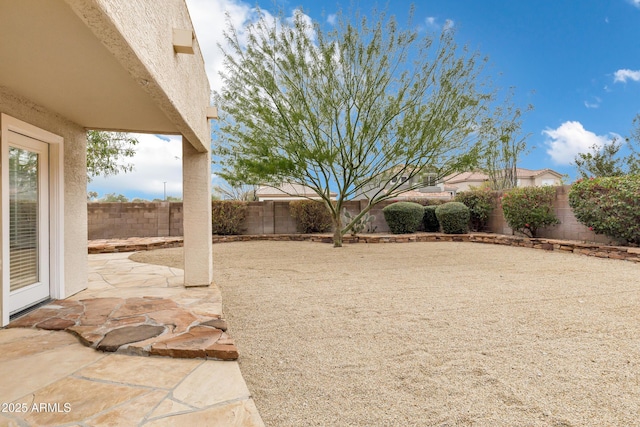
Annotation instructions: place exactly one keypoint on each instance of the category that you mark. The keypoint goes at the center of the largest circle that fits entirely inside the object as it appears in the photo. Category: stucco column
(196, 195)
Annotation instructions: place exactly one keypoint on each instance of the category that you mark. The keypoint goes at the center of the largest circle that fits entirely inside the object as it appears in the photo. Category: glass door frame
(38, 290)
(56, 208)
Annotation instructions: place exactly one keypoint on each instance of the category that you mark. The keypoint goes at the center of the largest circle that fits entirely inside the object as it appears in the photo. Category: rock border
(626, 253)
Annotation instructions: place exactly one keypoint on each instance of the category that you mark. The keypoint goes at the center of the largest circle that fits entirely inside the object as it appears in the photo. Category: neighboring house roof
(413, 194)
(477, 176)
(287, 191)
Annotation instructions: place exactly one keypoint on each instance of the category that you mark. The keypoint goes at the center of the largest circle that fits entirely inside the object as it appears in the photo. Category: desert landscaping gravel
(430, 334)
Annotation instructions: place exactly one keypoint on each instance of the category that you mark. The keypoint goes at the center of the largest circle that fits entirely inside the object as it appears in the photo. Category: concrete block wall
(568, 229)
(121, 220)
(175, 219)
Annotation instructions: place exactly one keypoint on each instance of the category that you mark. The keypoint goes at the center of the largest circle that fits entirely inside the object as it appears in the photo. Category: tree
(245, 193)
(633, 160)
(113, 198)
(601, 160)
(347, 110)
(607, 160)
(106, 151)
(504, 145)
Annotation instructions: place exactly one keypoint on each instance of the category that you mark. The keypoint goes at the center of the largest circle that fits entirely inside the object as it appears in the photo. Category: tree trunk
(337, 231)
(337, 238)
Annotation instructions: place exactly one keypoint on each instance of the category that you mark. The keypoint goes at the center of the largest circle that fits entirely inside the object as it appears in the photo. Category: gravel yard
(443, 334)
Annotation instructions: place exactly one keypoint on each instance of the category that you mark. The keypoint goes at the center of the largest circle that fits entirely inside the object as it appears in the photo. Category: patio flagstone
(181, 323)
(41, 366)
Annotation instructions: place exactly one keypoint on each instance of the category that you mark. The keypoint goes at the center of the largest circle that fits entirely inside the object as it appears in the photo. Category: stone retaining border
(590, 249)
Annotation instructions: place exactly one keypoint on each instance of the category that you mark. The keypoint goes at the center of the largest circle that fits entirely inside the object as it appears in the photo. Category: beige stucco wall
(539, 180)
(75, 182)
(140, 35)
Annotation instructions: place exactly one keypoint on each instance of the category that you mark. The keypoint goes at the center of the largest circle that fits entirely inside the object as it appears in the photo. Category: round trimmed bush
(430, 220)
(403, 217)
(453, 218)
(609, 205)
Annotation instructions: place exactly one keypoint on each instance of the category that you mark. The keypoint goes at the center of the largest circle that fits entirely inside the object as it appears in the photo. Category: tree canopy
(608, 160)
(504, 144)
(106, 152)
(350, 109)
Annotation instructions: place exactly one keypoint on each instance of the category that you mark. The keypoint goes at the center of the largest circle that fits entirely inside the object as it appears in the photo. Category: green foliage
(106, 152)
(312, 216)
(430, 220)
(426, 202)
(480, 202)
(453, 217)
(113, 198)
(609, 205)
(340, 109)
(403, 217)
(246, 193)
(359, 223)
(528, 209)
(504, 144)
(228, 216)
(601, 161)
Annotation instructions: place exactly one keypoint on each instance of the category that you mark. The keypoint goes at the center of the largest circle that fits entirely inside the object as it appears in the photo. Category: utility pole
(165, 190)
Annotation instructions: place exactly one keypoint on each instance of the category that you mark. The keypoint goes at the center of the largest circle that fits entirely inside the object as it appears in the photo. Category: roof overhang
(70, 58)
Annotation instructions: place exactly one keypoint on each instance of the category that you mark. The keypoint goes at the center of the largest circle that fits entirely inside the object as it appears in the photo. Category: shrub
(453, 217)
(480, 203)
(609, 206)
(403, 217)
(227, 216)
(311, 216)
(425, 202)
(529, 209)
(430, 220)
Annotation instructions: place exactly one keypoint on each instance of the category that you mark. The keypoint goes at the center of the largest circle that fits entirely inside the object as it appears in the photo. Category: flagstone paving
(129, 310)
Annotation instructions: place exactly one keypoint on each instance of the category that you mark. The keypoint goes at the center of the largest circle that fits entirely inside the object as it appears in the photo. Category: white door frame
(56, 207)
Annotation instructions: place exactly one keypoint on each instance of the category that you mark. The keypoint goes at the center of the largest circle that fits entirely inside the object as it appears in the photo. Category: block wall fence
(163, 219)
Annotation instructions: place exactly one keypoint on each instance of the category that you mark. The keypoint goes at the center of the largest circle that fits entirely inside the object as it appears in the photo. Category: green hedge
(480, 203)
(453, 218)
(609, 205)
(311, 216)
(227, 216)
(403, 217)
(430, 220)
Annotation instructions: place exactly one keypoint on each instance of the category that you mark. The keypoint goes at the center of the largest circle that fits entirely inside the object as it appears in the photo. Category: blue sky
(577, 62)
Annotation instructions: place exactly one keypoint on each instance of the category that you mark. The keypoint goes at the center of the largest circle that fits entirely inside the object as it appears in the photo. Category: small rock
(128, 334)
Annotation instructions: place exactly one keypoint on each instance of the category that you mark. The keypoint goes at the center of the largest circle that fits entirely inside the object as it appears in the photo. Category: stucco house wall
(72, 65)
(75, 182)
(139, 34)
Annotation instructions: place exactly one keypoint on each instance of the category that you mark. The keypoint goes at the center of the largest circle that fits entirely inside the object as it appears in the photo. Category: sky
(577, 62)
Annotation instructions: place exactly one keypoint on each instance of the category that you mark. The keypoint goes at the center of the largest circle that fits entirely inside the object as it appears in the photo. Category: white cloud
(636, 3)
(433, 24)
(210, 20)
(595, 103)
(448, 24)
(624, 75)
(156, 161)
(332, 19)
(569, 139)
